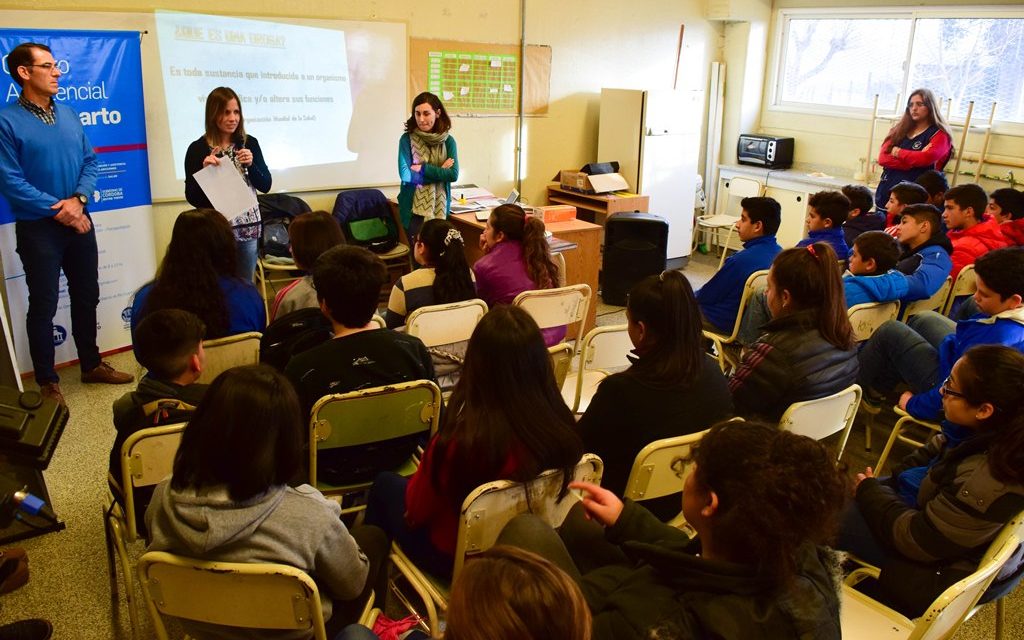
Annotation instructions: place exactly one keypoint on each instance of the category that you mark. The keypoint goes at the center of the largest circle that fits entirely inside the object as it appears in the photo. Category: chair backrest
(822, 417)
(379, 321)
(147, 457)
(228, 352)
(966, 284)
(439, 324)
(738, 188)
(561, 361)
(556, 307)
(603, 349)
(253, 596)
(373, 415)
(365, 219)
(756, 281)
(935, 303)
(489, 507)
(867, 317)
(661, 467)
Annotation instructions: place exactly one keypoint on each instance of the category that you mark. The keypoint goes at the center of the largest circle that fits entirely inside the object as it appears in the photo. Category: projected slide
(293, 82)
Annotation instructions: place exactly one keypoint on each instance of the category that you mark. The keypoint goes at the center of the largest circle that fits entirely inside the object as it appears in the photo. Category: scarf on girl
(429, 200)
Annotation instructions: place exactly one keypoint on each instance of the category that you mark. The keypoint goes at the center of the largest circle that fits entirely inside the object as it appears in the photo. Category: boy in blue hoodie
(826, 213)
(921, 353)
(871, 273)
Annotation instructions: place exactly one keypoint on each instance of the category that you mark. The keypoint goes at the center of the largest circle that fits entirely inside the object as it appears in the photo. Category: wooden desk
(597, 206)
(581, 264)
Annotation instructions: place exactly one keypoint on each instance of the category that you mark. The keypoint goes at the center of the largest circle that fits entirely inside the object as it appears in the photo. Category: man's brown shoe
(106, 374)
(52, 390)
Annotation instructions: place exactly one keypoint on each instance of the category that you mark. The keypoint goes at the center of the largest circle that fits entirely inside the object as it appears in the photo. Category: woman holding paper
(225, 139)
(428, 164)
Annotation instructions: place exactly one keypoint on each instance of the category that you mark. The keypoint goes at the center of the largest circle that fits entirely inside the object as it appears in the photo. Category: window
(841, 62)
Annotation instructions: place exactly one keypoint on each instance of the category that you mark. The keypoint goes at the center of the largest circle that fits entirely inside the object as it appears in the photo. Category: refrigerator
(655, 136)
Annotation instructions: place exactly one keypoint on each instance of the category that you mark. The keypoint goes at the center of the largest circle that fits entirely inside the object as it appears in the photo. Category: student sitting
(872, 276)
(672, 387)
(719, 298)
(505, 420)
(198, 274)
(310, 234)
(826, 213)
(921, 352)
(861, 218)
(970, 232)
(764, 504)
(928, 524)
(229, 499)
(348, 280)
(516, 258)
(925, 259)
(934, 182)
(902, 195)
(1006, 206)
(169, 344)
(807, 350)
(445, 276)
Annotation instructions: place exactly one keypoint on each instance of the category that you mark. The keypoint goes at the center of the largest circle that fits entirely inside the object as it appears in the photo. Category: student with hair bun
(928, 524)
(807, 349)
(763, 503)
(671, 388)
(517, 259)
(445, 276)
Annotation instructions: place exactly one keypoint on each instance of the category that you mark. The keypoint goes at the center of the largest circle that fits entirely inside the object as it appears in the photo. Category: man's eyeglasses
(48, 67)
(948, 391)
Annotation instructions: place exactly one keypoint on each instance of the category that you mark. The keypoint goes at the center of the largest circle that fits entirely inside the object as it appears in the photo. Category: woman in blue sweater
(428, 164)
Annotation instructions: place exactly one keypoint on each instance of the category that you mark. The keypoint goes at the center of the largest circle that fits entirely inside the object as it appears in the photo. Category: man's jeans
(906, 353)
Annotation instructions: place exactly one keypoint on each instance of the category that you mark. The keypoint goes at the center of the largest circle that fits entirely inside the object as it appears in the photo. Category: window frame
(777, 58)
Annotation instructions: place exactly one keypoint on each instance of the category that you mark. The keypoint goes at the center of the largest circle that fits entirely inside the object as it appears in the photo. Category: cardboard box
(585, 183)
(557, 213)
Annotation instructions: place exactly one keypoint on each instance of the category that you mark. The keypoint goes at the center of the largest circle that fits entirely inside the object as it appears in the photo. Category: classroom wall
(595, 44)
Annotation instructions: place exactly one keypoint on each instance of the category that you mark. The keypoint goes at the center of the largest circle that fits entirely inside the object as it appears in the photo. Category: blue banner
(101, 79)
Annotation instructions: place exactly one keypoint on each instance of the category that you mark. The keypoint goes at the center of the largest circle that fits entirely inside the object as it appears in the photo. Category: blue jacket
(891, 285)
(926, 268)
(863, 223)
(1006, 328)
(719, 299)
(428, 174)
(833, 236)
(40, 163)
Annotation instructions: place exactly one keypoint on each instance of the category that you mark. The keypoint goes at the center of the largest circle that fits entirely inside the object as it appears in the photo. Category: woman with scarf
(428, 164)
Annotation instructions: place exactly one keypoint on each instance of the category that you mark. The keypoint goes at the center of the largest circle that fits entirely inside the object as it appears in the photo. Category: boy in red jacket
(972, 233)
(1006, 206)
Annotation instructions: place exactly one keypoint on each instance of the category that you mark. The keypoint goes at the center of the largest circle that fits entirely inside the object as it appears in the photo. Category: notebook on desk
(482, 216)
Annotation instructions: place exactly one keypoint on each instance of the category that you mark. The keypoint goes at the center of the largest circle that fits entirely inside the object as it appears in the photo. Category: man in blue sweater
(719, 299)
(47, 170)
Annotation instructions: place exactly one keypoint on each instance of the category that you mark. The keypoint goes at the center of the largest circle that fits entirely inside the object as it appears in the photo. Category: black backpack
(292, 334)
(365, 219)
(277, 211)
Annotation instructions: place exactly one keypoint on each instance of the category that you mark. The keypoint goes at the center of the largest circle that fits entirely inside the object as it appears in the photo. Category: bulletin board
(476, 78)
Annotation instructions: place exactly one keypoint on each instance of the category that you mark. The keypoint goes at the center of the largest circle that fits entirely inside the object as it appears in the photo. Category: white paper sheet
(226, 189)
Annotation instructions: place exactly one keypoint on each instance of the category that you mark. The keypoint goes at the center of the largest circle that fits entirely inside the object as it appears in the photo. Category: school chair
(660, 469)
(603, 352)
(966, 285)
(712, 225)
(558, 307)
(274, 272)
(561, 362)
(444, 330)
(935, 303)
(366, 220)
(234, 594)
(485, 512)
(379, 321)
(225, 353)
(727, 349)
(823, 417)
(360, 418)
(867, 317)
(903, 421)
(147, 458)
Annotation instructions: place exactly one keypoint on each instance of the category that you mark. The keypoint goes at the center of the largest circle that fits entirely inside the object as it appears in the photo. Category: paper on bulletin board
(476, 78)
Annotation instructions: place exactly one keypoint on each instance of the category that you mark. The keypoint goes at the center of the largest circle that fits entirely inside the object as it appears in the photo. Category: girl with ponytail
(807, 350)
(672, 387)
(928, 524)
(517, 258)
(445, 276)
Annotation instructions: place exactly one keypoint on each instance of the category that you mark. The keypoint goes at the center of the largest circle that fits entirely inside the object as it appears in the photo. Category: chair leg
(1000, 618)
(127, 574)
(115, 596)
(888, 445)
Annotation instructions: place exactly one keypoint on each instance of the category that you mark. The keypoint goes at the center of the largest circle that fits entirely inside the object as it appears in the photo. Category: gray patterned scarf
(430, 199)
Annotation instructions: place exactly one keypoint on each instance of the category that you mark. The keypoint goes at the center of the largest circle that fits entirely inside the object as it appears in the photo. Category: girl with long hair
(225, 140)
(671, 388)
(428, 164)
(807, 350)
(920, 141)
(445, 276)
(229, 497)
(505, 420)
(927, 525)
(516, 258)
(198, 274)
(310, 234)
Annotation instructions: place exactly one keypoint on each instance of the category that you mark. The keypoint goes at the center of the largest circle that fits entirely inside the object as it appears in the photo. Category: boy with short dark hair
(826, 213)
(861, 218)
(348, 280)
(902, 195)
(719, 298)
(921, 352)
(925, 259)
(934, 182)
(971, 234)
(872, 276)
(1006, 206)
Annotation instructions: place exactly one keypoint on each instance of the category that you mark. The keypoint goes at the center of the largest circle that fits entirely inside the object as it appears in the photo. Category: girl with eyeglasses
(927, 525)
